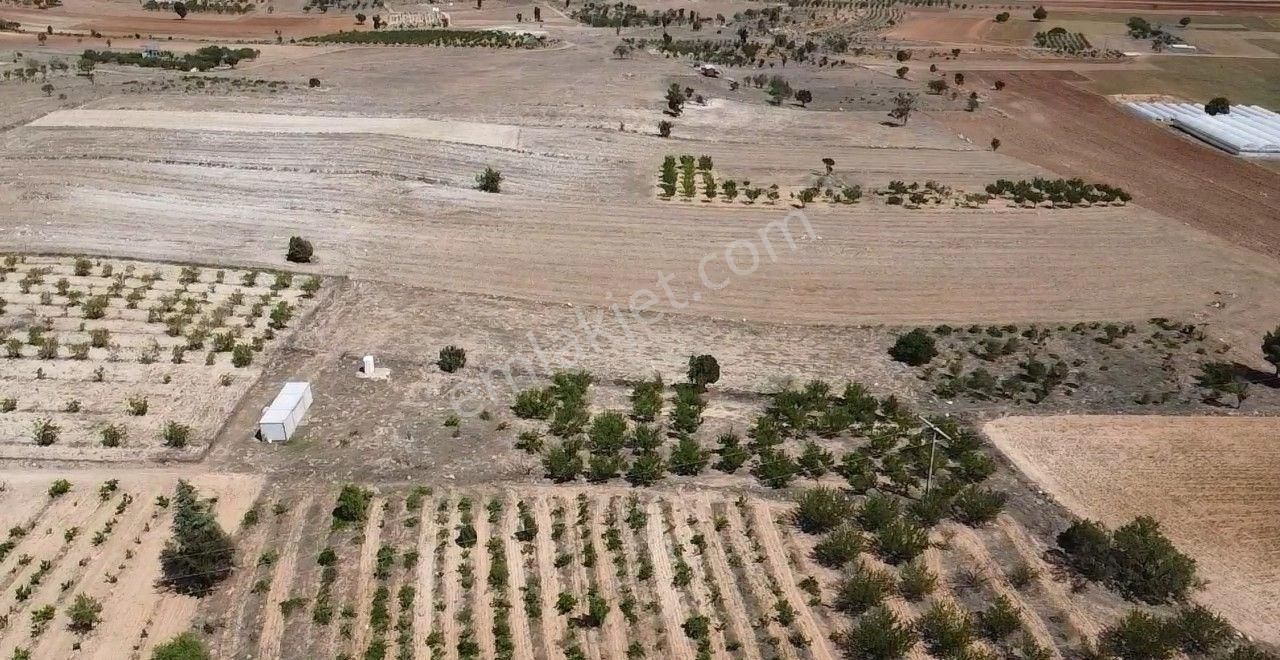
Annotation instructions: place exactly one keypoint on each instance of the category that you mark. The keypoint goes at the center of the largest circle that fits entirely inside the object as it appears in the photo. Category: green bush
(647, 469)
(183, 647)
(862, 588)
(839, 547)
(915, 348)
(562, 462)
(1199, 632)
(59, 488)
(490, 180)
(113, 435)
(1138, 636)
(732, 454)
(646, 400)
(978, 506)
(945, 629)
(822, 509)
(607, 433)
(175, 435)
(452, 359)
(44, 432)
(877, 635)
(1000, 620)
(703, 370)
(534, 403)
(900, 541)
(300, 250)
(1146, 565)
(352, 506)
(915, 581)
(688, 458)
(877, 511)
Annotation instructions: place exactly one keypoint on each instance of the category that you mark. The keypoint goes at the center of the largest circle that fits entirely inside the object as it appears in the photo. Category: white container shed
(281, 419)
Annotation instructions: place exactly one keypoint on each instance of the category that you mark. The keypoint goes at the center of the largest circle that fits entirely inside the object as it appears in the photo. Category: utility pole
(933, 450)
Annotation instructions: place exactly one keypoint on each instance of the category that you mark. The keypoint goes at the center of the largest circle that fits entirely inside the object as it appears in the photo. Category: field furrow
(673, 610)
(553, 627)
(739, 623)
(365, 586)
(781, 570)
(283, 580)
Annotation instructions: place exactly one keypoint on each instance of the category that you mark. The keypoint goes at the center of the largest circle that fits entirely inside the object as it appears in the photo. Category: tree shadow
(1256, 376)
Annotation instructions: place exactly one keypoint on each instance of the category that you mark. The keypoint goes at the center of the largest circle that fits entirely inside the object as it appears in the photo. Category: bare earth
(1210, 481)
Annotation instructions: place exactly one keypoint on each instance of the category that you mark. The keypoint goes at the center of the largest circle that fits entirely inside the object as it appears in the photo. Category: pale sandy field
(1210, 481)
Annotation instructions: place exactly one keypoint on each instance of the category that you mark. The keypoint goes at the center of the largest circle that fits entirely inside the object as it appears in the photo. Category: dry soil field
(102, 538)
(1209, 480)
(111, 360)
(544, 515)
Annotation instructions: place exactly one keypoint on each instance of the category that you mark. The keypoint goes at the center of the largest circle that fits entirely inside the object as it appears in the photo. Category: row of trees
(203, 59)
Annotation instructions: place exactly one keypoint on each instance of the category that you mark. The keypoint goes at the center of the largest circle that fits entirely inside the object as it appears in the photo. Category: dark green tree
(915, 348)
(1271, 348)
(704, 370)
(200, 554)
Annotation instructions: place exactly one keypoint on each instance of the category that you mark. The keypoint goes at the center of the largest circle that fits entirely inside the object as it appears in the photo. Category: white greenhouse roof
(1248, 130)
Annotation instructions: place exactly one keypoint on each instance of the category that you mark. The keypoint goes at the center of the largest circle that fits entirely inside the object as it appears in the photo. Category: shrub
(241, 355)
(945, 629)
(877, 512)
(534, 403)
(44, 432)
(901, 541)
(999, 620)
(703, 370)
(8, 404)
(915, 581)
(59, 488)
(839, 547)
(862, 588)
(137, 406)
(85, 614)
(732, 454)
(200, 554)
(775, 468)
(113, 435)
(352, 506)
(300, 250)
(915, 348)
(688, 457)
(1087, 546)
(647, 469)
(1138, 636)
(94, 308)
(877, 635)
(646, 400)
(1218, 105)
(183, 647)
(664, 128)
(175, 435)
(490, 180)
(822, 509)
(452, 359)
(1199, 632)
(978, 506)
(562, 462)
(1147, 567)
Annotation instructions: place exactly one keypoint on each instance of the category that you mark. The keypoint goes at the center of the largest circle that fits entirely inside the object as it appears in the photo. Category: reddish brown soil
(1233, 5)
(1042, 119)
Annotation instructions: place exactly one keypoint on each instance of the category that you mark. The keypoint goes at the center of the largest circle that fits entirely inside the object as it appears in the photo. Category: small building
(1181, 48)
(281, 419)
(150, 52)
